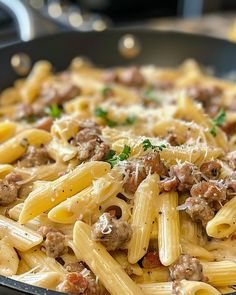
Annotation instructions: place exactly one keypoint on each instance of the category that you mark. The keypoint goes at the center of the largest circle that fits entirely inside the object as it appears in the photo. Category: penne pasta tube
(7, 130)
(9, 260)
(220, 273)
(225, 290)
(75, 207)
(153, 275)
(168, 228)
(15, 147)
(224, 222)
(157, 288)
(36, 259)
(23, 267)
(102, 263)
(143, 216)
(5, 169)
(62, 188)
(196, 250)
(47, 280)
(19, 236)
(184, 287)
(133, 269)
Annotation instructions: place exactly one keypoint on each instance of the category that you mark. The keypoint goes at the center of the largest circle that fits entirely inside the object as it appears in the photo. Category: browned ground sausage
(138, 170)
(211, 169)
(111, 232)
(35, 156)
(187, 268)
(199, 210)
(9, 188)
(186, 174)
(54, 243)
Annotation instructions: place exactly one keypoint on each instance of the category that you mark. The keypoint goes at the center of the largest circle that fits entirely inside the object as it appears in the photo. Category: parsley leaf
(111, 123)
(30, 119)
(161, 146)
(217, 121)
(149, 95)
(130, 120)
(125, 153)
(106, 91)
(148, 145)
(101, 113)
(114, 159)
(54, 111)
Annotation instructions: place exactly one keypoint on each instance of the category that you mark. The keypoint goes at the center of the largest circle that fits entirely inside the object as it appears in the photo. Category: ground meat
(187, 268)
(186, 174)
(209, 96)
(230, 183)
(24, 111)
(9, 189)
(111, 232)
(35, 156)
(211, 169)
(138, 170)
(199, 210)
(229, 128)
(163, 84)
(169, 184)
(89, 143)
(211, 191)
(172, 139)
(75, 266)
(151, 260)
(58, 91)
(231, 159)
(131, 77)
(75, 283)
(44, 123)
(54, 243)
(110, 76)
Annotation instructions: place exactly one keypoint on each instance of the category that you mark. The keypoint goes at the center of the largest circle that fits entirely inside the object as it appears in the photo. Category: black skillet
(103, 48)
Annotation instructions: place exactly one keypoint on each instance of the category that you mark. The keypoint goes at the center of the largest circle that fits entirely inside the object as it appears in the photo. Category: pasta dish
(119, 181)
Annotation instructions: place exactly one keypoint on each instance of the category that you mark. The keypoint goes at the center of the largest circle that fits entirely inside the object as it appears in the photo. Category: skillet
(102, 48)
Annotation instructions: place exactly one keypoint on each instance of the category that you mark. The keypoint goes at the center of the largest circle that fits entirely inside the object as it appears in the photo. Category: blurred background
(210, 17)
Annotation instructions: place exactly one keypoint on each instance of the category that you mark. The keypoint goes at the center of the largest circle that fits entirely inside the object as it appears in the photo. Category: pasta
(119, 181)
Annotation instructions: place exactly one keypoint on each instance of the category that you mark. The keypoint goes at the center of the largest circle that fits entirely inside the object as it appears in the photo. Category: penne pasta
(101, 263)
(224, 222)
(66, 186)
(15, 147)
(143, 216)
(18, 236)
(168, 228)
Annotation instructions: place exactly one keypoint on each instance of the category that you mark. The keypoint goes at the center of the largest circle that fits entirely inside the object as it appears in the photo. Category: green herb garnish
(114, 159)
(54, 111)
(30, 119)
(106, 91)
(148, 145)
(217, 121)
(101, 113)
(149, 95)
(130, 120)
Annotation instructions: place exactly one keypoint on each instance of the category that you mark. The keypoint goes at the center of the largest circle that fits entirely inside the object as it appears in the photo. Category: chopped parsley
(54, 111)
(30, 119)
(150, 96)
(148, 145)
(106, 91)
(101, 113)
(217, 121)
(130, 120)
(114, 159)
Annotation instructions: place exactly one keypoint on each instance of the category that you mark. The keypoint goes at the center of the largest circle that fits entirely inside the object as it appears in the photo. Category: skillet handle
(29, 23)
